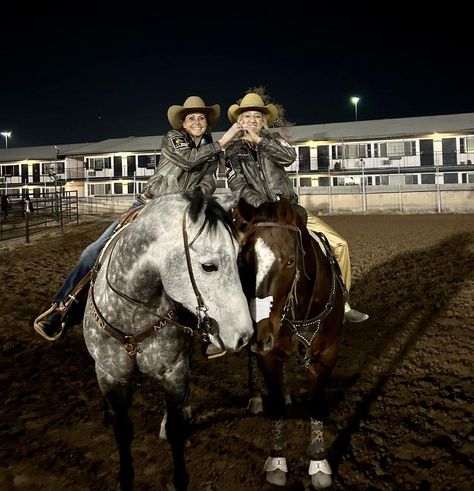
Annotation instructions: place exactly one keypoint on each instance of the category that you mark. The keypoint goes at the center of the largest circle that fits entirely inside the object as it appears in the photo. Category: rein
(206, 325)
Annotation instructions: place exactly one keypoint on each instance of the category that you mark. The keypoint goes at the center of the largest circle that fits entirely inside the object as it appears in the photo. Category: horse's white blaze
(260, 308)
(265, 259)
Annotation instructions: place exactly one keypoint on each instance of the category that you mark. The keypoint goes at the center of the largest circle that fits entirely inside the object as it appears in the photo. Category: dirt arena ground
(401, 396)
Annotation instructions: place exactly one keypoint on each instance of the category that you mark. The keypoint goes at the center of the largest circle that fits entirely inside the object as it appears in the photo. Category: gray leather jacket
(259, 175)
(183, 166)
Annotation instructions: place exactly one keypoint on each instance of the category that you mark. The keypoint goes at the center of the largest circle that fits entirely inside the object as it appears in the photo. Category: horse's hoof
(320, 472)
(187, 413)
(277, 477)
(276, 470)
(321, 480)
(255, 405)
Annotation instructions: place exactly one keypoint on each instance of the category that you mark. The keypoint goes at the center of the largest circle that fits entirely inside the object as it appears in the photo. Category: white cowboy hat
(253, 102)
(194, 103)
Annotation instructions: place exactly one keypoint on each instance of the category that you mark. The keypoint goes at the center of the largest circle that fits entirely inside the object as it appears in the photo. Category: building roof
(383, 128)
(349, 131)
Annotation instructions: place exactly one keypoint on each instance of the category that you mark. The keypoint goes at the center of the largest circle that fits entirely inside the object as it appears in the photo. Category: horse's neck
(314, 289)
(130, 280)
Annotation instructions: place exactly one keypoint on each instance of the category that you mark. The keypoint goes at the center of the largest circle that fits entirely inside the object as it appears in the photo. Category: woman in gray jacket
(255, 167)
(189, 160)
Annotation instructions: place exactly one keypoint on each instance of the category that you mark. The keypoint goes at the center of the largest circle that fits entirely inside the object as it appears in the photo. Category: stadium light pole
(7, 135)
(355, 101)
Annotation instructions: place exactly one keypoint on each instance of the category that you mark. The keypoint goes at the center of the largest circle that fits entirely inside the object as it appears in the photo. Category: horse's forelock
(213, 211)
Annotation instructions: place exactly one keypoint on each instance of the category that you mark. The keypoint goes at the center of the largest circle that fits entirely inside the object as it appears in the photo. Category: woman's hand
(233, 133)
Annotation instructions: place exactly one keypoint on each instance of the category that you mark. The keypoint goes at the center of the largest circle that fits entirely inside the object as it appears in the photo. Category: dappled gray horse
(178, 255)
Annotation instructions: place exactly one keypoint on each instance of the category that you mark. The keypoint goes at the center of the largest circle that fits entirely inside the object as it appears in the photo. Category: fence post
(27, 223)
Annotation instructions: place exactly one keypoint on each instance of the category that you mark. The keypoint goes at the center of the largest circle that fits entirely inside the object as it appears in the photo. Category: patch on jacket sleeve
(178, 142)
(230, 171)
(283, 141)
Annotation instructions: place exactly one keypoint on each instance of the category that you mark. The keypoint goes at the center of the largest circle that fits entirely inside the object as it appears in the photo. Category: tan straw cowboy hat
(253, 102)
(194, 103)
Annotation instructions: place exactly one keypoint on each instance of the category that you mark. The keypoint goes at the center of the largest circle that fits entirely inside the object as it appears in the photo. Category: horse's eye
(208, 268)
(290, 262)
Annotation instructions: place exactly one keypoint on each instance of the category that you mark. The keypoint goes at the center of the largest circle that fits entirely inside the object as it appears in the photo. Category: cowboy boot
(353, 315)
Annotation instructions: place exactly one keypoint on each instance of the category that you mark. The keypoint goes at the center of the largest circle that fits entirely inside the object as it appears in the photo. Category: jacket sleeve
(282, 153)
(176, 150)
(238, 182)
(208, 182)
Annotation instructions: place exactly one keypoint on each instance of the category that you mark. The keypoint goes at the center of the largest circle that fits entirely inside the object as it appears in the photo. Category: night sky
(83, 73)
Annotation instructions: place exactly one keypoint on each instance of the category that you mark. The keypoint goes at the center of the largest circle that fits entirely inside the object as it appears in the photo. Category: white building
(403, 154)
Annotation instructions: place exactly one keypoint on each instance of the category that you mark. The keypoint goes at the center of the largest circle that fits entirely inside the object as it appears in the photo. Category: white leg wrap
(274, 463)
(319, 466)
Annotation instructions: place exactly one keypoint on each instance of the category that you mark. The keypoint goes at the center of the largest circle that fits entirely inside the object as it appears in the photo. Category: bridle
(207, 326)
(305, 330)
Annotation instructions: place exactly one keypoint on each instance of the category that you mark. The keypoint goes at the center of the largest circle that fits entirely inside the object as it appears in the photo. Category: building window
(146, 161)
(99, 163)
(451, 178)
(469, 144)
(395, 149)
(411, 179)
(427, 178)
(118, 188)
(376, 149)
(305, 182)
(336, 151)
(130, 188)
(304, 158)
(53, 168)
(10, 170)
(355, 151)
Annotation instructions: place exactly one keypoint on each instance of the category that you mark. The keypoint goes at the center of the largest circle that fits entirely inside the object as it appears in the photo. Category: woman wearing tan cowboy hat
(255, 167)
(188, 160)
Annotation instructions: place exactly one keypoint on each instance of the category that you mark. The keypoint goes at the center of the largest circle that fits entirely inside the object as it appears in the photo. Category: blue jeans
(87, 260)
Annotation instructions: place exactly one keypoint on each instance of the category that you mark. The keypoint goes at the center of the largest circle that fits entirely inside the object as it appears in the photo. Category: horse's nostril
(268, 343)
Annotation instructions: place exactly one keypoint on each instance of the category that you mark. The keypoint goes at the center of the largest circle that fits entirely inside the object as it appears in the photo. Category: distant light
(7, 135)
(355, 100)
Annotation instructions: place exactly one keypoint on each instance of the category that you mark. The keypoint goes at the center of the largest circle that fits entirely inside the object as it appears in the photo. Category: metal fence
(24, 217)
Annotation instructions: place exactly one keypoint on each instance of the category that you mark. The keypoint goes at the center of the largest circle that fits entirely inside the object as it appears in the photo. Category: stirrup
(39, 329)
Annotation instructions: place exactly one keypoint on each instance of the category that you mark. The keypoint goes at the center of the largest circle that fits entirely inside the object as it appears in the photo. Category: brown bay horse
(296, 299)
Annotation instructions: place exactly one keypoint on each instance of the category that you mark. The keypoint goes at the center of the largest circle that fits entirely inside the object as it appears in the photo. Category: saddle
(72, 309)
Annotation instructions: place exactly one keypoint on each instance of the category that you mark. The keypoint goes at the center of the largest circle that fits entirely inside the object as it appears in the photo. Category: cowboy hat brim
(176, 114)
(269, 110)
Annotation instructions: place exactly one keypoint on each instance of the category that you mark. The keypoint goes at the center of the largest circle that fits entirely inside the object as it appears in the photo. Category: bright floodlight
(7, 135)
(355, 101)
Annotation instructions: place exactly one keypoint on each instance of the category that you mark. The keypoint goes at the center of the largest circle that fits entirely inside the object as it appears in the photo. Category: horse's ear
(246, 210)
(285, 211)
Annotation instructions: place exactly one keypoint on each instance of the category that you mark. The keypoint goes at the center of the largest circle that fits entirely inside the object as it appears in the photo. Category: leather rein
(306, 330)
(206, 325)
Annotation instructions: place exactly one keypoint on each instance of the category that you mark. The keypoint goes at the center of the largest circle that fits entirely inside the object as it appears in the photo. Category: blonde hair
(264, 118)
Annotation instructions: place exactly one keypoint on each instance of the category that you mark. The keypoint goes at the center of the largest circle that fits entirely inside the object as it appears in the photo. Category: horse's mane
(213, 212)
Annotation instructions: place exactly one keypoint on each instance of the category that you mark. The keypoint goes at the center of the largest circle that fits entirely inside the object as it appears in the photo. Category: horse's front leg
(273, 372)
(176, 386)
(117, 393)
(318, 380)
(255, 405)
